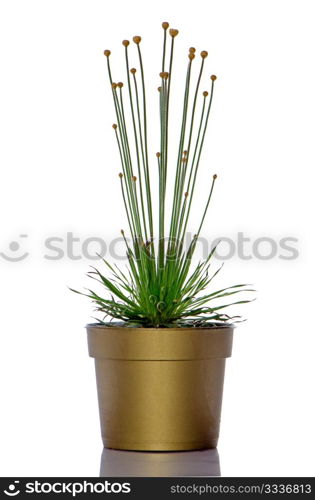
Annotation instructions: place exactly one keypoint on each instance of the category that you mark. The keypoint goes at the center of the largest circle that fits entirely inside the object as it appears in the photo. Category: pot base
(160, 447)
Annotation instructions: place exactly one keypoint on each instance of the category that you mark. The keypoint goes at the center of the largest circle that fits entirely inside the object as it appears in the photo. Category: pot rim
(159, 344)
(154, 329)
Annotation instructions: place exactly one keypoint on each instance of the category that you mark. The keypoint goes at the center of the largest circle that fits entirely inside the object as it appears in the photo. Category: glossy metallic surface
(160, 389)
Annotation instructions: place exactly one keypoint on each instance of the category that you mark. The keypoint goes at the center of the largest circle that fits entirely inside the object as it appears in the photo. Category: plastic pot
(159, 389)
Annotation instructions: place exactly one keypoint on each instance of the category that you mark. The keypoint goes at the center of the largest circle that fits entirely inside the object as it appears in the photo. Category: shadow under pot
(159, 389)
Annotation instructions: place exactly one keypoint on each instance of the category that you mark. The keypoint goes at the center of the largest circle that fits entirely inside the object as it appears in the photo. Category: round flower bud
(173, 33)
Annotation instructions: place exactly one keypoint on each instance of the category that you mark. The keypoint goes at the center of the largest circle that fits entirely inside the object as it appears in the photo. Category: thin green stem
(199, 155)
(148, 186)
(136, 143)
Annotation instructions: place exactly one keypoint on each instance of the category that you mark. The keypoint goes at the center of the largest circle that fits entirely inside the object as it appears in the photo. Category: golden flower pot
(160, 389)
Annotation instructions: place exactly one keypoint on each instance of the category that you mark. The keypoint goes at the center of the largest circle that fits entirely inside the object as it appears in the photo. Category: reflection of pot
(115, 463)
(159, 389)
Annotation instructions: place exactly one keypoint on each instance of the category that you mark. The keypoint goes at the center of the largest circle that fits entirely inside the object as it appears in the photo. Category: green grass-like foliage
(159, 288)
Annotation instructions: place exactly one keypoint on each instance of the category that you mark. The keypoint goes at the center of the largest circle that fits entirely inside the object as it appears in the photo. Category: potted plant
(160, 359)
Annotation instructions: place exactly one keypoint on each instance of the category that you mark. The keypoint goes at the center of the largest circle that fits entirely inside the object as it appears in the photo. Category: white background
(59, 168)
